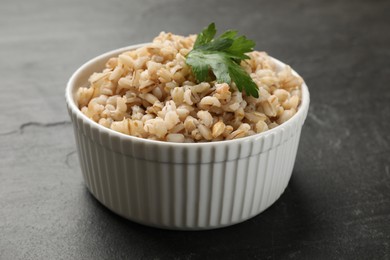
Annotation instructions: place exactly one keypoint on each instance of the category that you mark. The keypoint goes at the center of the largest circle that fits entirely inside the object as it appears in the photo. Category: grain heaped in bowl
(148, 91)
(151, 92)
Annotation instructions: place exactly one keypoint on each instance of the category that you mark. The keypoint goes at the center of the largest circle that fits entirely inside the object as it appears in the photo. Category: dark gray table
(337, 204)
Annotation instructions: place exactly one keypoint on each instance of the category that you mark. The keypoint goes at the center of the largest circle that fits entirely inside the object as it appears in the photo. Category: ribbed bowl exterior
(183, 186)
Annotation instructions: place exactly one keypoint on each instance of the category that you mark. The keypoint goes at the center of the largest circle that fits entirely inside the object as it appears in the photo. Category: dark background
(337, 204)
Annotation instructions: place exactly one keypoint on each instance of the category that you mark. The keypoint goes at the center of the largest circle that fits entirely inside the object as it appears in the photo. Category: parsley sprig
(223, 56)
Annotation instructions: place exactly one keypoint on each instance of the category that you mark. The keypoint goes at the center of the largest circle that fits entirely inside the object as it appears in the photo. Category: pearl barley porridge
(152, 93)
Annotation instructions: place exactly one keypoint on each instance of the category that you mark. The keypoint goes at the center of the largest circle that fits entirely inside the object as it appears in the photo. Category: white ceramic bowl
(183, 186)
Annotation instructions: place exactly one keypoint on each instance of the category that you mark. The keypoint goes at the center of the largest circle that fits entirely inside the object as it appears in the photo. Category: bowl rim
(70, 100)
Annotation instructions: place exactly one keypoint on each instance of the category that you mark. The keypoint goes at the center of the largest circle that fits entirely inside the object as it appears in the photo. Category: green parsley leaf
(243, 80)
(206, 35)
(223, 56)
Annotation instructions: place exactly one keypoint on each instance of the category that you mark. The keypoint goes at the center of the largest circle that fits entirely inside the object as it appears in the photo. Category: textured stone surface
(337, 204)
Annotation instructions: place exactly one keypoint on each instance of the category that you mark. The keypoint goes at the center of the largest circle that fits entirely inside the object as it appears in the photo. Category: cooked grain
(151, 93)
